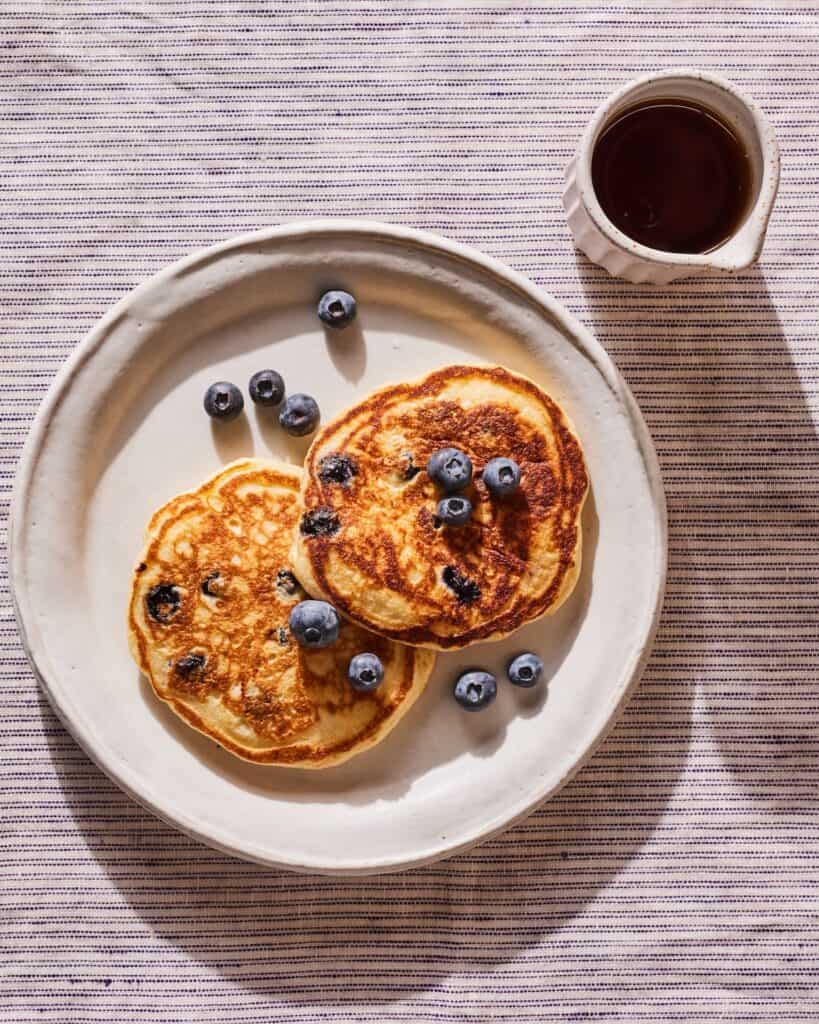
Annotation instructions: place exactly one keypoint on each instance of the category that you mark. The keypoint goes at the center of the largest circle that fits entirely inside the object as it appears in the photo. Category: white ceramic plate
(122, 430)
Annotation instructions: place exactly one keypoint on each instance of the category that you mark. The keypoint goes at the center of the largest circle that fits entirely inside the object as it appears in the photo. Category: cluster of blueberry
(476, 689)
(451, 470)
(315, 624)
(299, 415)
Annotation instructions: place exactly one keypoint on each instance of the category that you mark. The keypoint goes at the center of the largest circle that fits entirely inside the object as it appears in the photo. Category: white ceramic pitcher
(602, 242)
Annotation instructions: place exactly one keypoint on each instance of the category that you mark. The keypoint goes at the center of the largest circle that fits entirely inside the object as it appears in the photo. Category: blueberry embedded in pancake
(162, 602)
(319, 522)
(209, 624)
(337, 469)
(376, 546)
(465, 590)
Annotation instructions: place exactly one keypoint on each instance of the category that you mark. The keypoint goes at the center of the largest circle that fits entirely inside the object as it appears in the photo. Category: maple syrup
(672, 175)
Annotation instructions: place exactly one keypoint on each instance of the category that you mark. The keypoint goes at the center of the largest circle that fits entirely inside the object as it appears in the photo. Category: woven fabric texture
(677, 877)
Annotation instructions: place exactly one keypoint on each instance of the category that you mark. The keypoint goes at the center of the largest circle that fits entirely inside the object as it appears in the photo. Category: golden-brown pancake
(208, 625)
(370, 542)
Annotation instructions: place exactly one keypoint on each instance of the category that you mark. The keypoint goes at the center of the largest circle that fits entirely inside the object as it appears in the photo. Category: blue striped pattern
(677, 878)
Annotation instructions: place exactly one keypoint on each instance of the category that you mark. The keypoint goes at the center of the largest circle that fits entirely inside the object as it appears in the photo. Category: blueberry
(299, 415)
(314, 624)
(365, 672)
(501, 476)
(190, 665)
(450, 469)
(287, 582)
(336, 308)
(162, 602)
(407, 470)
(337, 469)
(454, 511)
(223, 401)
(525, 670)
(475, 689)
(466, 590)
(266, 387)
(319, 522)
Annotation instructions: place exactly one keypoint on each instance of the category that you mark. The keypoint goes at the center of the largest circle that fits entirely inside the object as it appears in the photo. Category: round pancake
(369, 540)
(208, 625)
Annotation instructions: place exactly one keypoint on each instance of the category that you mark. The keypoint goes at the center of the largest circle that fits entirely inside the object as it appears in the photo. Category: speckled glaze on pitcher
(604, 243)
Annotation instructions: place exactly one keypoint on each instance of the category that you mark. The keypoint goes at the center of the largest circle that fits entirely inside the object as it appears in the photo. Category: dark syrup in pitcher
(672, 175)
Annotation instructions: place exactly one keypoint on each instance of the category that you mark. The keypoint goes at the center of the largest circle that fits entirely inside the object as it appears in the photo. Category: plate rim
(128, 779)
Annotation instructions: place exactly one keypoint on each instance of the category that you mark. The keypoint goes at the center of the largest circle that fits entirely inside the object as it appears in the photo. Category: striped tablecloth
(676, 879)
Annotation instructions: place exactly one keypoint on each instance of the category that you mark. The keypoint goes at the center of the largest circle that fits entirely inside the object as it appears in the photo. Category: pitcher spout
(745, 246)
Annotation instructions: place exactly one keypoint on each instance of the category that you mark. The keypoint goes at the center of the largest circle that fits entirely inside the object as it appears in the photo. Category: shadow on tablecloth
(710, 365)
(308, 939)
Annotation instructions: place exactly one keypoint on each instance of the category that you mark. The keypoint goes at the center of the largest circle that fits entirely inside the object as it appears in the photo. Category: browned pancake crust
(249, 624)
(493, 550)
